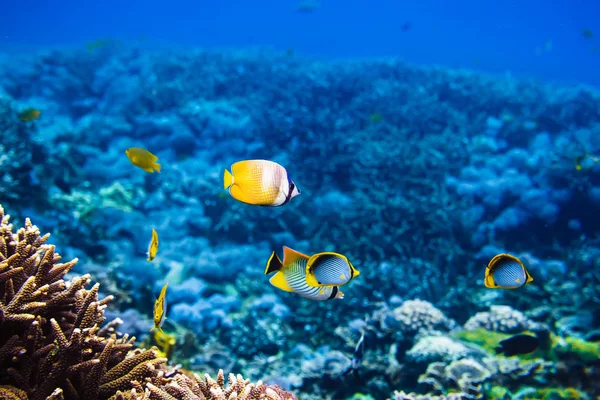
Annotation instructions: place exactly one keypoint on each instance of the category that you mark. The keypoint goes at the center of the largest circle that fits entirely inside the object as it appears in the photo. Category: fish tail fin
(274, 264)
(157, 167)
(152, 329)
(227, 179)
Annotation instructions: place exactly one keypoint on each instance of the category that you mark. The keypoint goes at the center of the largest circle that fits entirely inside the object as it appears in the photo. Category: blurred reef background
(419, 174)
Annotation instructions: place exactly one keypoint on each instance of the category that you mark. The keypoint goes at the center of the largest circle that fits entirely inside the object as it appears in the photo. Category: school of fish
(316, 277)
(319, 276)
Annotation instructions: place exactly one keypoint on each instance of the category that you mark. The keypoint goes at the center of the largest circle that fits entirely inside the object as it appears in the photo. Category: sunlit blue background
(488, 35)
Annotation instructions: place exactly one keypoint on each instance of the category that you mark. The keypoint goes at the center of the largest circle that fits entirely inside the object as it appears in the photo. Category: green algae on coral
(578, 348)
(582, 350)
(498, 393)
(487, 340)
(556, 394)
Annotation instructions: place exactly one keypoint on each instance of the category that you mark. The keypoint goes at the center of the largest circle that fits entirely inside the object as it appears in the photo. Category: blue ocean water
(349, 201)
(534, 38)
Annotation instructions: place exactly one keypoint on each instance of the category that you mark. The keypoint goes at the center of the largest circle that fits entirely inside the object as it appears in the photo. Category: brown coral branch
(52, 345)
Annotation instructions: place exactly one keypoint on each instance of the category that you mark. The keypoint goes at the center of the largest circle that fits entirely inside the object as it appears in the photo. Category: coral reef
(53, 344)
(418, 174)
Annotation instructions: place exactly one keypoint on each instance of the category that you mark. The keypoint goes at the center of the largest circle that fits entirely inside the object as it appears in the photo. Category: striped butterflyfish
(328, 268)
(290, 276)
(506, 272)
(260, 183)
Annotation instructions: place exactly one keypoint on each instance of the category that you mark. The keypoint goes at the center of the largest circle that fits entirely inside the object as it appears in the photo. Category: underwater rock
(499, 319)
(575, 325)
(465, 374)
(411, 396)
(416, 317)
(431, 349)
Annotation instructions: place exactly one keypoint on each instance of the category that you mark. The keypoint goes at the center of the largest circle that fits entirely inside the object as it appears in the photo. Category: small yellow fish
(153, 247)
(290, 276)
(324, 269)
(260, 183)
(30, 114)
(143, 159)
(506, 272)
(160, 309)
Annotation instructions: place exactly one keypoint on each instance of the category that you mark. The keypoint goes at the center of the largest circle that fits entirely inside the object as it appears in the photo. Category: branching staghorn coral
(52, 345)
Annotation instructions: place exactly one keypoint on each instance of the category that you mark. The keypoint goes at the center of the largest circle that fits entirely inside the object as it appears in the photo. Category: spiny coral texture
(52, 346)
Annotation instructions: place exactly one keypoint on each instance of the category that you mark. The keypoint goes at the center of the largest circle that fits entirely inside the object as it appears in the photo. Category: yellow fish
(506, 272)
(324, 269)
(143, 159)
(29, 115)
(290, 276)
(153, 247)
(260, 183)
(160, 309)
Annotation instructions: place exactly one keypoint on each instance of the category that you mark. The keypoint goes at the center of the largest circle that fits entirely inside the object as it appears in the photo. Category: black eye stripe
(289, 194)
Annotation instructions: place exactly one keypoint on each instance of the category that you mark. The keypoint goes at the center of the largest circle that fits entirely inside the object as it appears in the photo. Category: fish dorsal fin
(290, 256)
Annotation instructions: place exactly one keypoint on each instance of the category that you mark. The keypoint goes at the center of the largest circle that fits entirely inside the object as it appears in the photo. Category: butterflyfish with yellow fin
(323, 269)
(153, 247)
(506, 272)
(260, 183)
(290, 276)
(160, 309)
(143, 159)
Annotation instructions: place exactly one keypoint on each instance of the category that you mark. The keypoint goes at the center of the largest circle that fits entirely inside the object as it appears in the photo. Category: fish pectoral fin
(278, 280)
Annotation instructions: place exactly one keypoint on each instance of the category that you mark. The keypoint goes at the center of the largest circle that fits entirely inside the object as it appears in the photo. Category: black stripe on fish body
(288, 196)
(334, 293)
